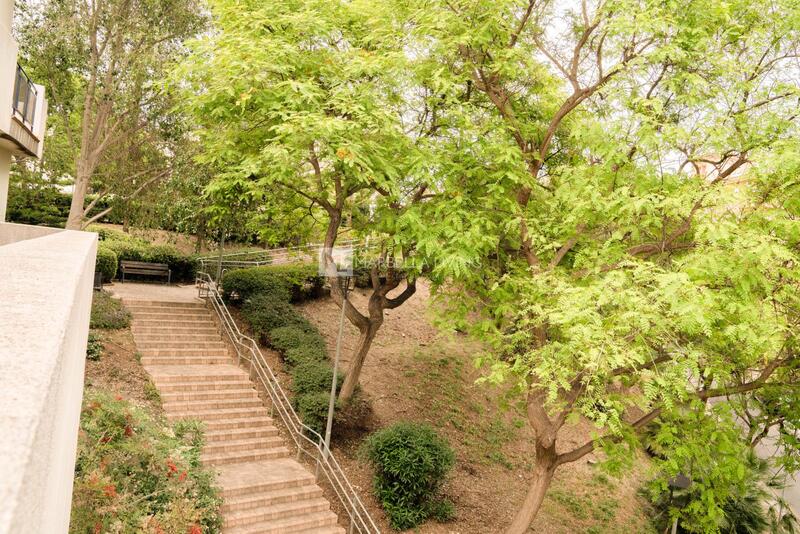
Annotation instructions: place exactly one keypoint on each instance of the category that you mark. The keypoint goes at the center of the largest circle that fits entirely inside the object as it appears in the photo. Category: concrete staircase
(264, 489)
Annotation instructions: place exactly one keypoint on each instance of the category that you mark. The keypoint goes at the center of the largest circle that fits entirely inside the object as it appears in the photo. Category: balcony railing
(25, 95)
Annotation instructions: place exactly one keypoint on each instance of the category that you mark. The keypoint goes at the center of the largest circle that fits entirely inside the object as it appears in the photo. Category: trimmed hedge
(266, 313)
(314, 376)
(295, 336)
(266, 293)
(106, 262)
(294, 282)
(411, 463)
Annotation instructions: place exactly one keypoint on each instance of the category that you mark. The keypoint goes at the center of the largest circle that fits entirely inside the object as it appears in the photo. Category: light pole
(332, 400)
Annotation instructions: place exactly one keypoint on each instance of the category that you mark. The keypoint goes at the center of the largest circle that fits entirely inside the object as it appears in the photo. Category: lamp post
(680, 481)
(332, 401)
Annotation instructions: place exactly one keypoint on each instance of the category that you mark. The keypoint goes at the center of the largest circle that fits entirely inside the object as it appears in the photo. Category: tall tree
(101, 61)
(294, 98)
(589, 217)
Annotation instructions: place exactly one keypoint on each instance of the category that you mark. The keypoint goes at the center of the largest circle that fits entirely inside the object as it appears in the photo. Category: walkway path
(264, 489)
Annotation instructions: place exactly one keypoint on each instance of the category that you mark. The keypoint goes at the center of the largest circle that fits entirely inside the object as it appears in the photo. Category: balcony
(46, 294)
(24, 106)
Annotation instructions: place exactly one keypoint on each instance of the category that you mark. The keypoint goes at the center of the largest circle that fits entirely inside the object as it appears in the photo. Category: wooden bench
(143, 267)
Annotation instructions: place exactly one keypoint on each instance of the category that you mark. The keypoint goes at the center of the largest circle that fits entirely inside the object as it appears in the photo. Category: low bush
(133, 474)
(266, 313)
(313, 410)
(411, 462)
(108, 312)
(313, 377)
(299, 355)
(296, 336)
(294, 282)
(106, 262)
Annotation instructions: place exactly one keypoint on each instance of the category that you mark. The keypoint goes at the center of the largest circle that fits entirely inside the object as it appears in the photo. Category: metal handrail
(257, 258)
(307, 441)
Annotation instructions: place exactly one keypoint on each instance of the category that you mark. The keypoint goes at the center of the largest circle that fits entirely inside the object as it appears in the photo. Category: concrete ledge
(46, 295)
(12, 233)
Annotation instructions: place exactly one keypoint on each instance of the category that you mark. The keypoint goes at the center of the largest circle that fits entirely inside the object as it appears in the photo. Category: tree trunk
(542, 477)
(79, 190)
(357, 361)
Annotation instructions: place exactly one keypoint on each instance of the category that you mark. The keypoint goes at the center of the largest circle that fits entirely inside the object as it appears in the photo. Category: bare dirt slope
(414, 372)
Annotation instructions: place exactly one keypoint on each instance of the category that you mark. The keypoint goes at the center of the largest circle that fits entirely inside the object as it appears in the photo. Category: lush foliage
(133, 474)
(108, 312)
(112, 131)
(754, 507)
(106, 262)
(411, 463)
(299, 113)
(295, 282)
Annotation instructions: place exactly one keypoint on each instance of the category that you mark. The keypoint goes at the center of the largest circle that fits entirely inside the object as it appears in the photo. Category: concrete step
(203, 322)
(205, 394)
(238, 457)
(161, 330)
(277, 496)
(240, 433)
(208, 416)
(299, 523)
(213, 404)
(199, 374)
(186, 360)
(177, 313)
(132, 303)
(278, 511)
(240, 445)
(177, 338)
(243, 480)
(234, 423)
(184, 352)
(188, 387)
(189, 344)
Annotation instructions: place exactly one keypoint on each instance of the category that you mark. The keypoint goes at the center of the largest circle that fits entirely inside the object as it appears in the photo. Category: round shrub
(411, 462)
(314, 376)
(106, 262)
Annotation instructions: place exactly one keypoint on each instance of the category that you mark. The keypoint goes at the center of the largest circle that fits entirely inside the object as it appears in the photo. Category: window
(24, 97)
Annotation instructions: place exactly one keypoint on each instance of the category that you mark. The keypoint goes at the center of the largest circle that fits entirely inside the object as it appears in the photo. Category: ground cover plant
(108, 312)
(136, 474)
